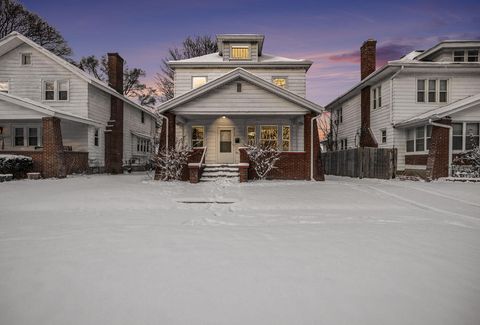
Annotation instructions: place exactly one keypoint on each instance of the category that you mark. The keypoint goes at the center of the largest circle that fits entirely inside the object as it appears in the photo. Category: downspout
(450, 142)
(391, 101)
(166, 133)
(311, 144)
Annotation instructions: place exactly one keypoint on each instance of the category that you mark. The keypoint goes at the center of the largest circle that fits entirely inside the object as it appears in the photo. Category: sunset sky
(328, 33)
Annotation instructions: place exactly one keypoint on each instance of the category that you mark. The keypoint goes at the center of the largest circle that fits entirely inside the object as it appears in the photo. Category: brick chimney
(114, 131)
(367, 66)
(115, 72)
(368, 54)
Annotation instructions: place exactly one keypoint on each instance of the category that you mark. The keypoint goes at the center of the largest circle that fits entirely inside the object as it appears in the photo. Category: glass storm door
(225, 145)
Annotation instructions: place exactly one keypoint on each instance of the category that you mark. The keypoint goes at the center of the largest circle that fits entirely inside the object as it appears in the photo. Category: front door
(225, 146)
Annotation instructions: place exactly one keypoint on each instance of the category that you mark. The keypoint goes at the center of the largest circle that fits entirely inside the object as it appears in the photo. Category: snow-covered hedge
(15, 164)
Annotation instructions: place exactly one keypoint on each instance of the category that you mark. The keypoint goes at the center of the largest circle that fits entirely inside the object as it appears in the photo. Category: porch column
(318, 174)
(171, 132)
(53, 155)
(437, 161)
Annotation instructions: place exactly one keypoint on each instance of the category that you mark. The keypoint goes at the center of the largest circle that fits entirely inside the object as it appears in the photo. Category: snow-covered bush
(262, 158)
(467, 164)
(15, 164)
(169, 164)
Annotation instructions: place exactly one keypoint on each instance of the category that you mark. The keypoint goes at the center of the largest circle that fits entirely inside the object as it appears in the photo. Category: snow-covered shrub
(170, 163)
(262, 158)
(467, 164)
(15, 164)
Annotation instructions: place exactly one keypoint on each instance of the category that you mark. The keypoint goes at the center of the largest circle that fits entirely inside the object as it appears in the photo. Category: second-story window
(4, 86)
(49, 90)
(432, 91)
(62, 86)
(465, 55)
(339, 116)
(376, 97)
(280, 82)
(198, 81)
(240, 52)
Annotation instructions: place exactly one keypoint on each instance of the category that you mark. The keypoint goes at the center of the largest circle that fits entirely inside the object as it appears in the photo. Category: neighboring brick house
(426, 105)
(65, 119)
(241, 95)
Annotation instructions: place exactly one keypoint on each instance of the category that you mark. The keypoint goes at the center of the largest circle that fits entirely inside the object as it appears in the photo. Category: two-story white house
(426, 105)
(241, 95)
(65, 119)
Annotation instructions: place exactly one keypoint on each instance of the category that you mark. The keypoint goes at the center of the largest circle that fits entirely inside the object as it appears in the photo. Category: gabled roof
(235, 74)
(447, 44)
(15, 39)
(441, 112)
(46, 110)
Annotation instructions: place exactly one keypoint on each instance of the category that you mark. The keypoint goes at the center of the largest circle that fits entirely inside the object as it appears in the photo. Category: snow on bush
(15, 164)
(262, 158)
(467, 164)
(169, 163)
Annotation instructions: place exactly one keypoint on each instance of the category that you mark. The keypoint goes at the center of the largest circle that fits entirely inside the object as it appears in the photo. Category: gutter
(450, 142)
(391, 102)
(311, 144)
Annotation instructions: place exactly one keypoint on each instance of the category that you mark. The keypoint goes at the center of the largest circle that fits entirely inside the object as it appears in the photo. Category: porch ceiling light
(224, 116)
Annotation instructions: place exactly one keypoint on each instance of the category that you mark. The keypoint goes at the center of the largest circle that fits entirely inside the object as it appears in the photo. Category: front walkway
(121, 250)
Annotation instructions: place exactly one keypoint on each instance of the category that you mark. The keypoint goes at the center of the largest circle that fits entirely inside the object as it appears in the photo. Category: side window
(384, 135)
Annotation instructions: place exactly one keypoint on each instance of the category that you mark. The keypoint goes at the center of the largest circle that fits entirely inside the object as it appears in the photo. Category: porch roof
(46, 110)
(240, 73)
(441, 112)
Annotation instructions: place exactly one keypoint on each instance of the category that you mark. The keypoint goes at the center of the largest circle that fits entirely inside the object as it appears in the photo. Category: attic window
(239, 87)
(26, 58)
(280, 82)
(198, 81)
(240, 52)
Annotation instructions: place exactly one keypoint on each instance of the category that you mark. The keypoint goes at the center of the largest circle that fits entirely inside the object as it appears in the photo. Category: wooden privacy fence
(361, 162)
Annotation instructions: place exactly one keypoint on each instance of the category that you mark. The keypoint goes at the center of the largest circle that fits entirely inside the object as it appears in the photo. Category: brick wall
(53, 155)
(171, 131)
(437, 161)
(416, 159)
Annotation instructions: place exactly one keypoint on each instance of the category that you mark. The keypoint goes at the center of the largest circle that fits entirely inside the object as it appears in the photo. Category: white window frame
(247, 46)
(26, 135)
(196, 140)
(202, 76)
(426, 82)
(7, 81)
(458, 56)
(22, 54)
(465, 55)
(338, 116)
(289, 140)
(465, 136)
(96, 137)
(261, 141)
(55, 90)
(255, 135)
(376, 98)
(383, 136)
(280, 77)
(144, 146)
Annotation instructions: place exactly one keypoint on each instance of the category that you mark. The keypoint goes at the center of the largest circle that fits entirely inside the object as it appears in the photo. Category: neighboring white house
(403, 100)
(36, 85)
(241, 95)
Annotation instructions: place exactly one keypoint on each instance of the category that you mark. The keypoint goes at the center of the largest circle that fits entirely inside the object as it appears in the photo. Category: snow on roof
(216, 58)
(5, 43)
(443, 111)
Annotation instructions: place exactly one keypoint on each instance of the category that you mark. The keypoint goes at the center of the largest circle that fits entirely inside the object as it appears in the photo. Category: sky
(329, 33)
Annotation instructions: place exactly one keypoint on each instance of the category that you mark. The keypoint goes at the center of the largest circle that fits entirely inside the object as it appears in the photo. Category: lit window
(198, 136)
(49, 90)
(286, 138)
(240, 53)
(96, 137)
(384, 136)
(269, 136)
(377, 97)
(472, 136)
(26, 58)
(472, 55)
(62, 89)
(251, 135)
(459, 56)
(280, 82)
(198, 82)
(4, 86)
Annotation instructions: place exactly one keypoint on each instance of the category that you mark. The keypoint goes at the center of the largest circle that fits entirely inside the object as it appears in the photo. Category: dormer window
(472, 55)
(465, 55)
(280, 82)
(240, 52)
(459, 56)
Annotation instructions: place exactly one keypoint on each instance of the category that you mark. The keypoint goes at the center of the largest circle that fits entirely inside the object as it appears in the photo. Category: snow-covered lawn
(122, 250)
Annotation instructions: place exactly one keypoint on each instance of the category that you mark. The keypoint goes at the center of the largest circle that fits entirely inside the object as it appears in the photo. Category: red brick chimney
(367, 67)
(114, 131)
(368, 54)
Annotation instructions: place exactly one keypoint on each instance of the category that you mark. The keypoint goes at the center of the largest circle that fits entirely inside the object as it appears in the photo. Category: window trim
(96, 137)
(280, 77)
(143, 146)
(255, 134)
(426, 91)
(247, 46)
(465, 55)
(268, 125)
(55, 90)
(290, 137)
(204, 136)
(381, 136)
(26, 135)
(21, 59)
(464, 135)
(198, 76)
(376, 97)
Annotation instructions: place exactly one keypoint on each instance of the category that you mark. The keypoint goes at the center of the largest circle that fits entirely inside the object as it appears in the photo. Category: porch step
(220, 171)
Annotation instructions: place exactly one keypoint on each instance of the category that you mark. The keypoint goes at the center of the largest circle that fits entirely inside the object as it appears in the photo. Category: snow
(125, 250)
(5, 158)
